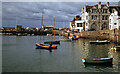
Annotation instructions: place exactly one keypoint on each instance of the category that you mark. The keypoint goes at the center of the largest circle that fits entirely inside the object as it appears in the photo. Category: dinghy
(43, 46)
(97, 60)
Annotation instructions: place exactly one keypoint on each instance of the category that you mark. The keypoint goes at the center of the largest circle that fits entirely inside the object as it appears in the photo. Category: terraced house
(94, 17)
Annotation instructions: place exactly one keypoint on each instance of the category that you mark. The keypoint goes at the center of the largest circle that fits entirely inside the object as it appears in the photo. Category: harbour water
(19, 54)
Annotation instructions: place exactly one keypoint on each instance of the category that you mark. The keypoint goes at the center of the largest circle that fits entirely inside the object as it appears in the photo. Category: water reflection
(67, 58)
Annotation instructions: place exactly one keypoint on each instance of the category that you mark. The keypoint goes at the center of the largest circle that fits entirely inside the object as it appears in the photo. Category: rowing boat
(43, 46)
(97, 60)
(99, 42)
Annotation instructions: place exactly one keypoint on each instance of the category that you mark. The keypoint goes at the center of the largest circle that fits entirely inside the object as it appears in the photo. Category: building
(47, 27)
(114, 17)
(19, 28)
(96, 17)
(76, 24)
(79, 24)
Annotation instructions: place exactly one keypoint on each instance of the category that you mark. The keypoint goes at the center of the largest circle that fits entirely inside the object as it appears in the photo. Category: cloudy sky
(28, 14)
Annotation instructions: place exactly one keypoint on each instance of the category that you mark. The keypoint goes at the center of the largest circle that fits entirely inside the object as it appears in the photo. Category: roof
(116, 8)
(89, 7)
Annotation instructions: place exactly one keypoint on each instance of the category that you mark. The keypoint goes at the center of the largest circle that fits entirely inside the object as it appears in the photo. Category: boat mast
(54, 27)
(16, 21)
(42, 18)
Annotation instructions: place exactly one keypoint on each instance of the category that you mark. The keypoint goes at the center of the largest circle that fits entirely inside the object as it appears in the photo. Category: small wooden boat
(99, 42)
(53, 42)
(43, 46)
(97, 60)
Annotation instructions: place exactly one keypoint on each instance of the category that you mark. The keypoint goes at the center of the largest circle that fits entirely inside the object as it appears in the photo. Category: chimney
(99, 2)
(99, 5)
(107, 4)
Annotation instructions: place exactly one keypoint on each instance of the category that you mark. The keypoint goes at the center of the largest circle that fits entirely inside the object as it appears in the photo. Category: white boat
(99, 42)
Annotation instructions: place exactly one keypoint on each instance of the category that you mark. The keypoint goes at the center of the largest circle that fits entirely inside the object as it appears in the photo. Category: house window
(86, 17)
(104, 10)
(86, 24)
(115, 23)
(94, 11)
(110, 20)
(104, 17)
(110, 26)
(79, 24)
(94, 17)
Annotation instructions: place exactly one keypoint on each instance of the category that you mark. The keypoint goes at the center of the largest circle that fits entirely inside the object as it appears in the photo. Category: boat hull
(53, 42)
(117, 48)
(97, 61)
(42, 46)
(74, 38)
(99, 42)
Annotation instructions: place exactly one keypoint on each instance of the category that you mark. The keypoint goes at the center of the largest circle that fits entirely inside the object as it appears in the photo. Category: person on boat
(50, 48)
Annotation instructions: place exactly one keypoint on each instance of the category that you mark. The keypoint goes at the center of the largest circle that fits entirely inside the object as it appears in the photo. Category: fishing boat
(43, 46)
(54, 41)
(99, 42)
(97, 60)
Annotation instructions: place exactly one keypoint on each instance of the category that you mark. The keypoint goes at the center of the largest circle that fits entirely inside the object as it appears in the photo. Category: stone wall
(112, 35)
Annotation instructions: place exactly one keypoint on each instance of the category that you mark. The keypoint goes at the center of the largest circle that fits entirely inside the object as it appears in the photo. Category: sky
(29, 14)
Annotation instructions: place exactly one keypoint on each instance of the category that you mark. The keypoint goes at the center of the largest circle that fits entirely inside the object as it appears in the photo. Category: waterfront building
(72, 24)
(114, 17)
(19, 28)
(96, 17)
(92, 18)
(76, 24)
(47, 27)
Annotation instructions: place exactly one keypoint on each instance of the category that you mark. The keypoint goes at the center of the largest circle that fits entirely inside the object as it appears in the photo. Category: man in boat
(50, 48)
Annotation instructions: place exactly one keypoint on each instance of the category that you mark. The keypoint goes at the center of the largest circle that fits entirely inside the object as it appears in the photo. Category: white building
(79, 25)
(85, 18)
(114, 18)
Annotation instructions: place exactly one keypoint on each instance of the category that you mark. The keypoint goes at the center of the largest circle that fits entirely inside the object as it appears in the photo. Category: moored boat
(97, 60)
(43, 46)
(116, 48)
(99, 42)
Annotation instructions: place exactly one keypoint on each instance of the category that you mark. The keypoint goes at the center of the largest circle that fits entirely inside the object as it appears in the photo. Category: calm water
(20, 55)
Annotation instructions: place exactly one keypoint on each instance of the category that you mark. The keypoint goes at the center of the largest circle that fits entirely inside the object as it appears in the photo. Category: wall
(112, 35)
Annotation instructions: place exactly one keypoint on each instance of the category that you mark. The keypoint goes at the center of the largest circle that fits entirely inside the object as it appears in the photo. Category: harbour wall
(112, 35)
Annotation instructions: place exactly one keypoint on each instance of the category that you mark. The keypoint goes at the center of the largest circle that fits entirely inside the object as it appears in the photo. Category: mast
(42, 18)
(16, 21)
(54, 27)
